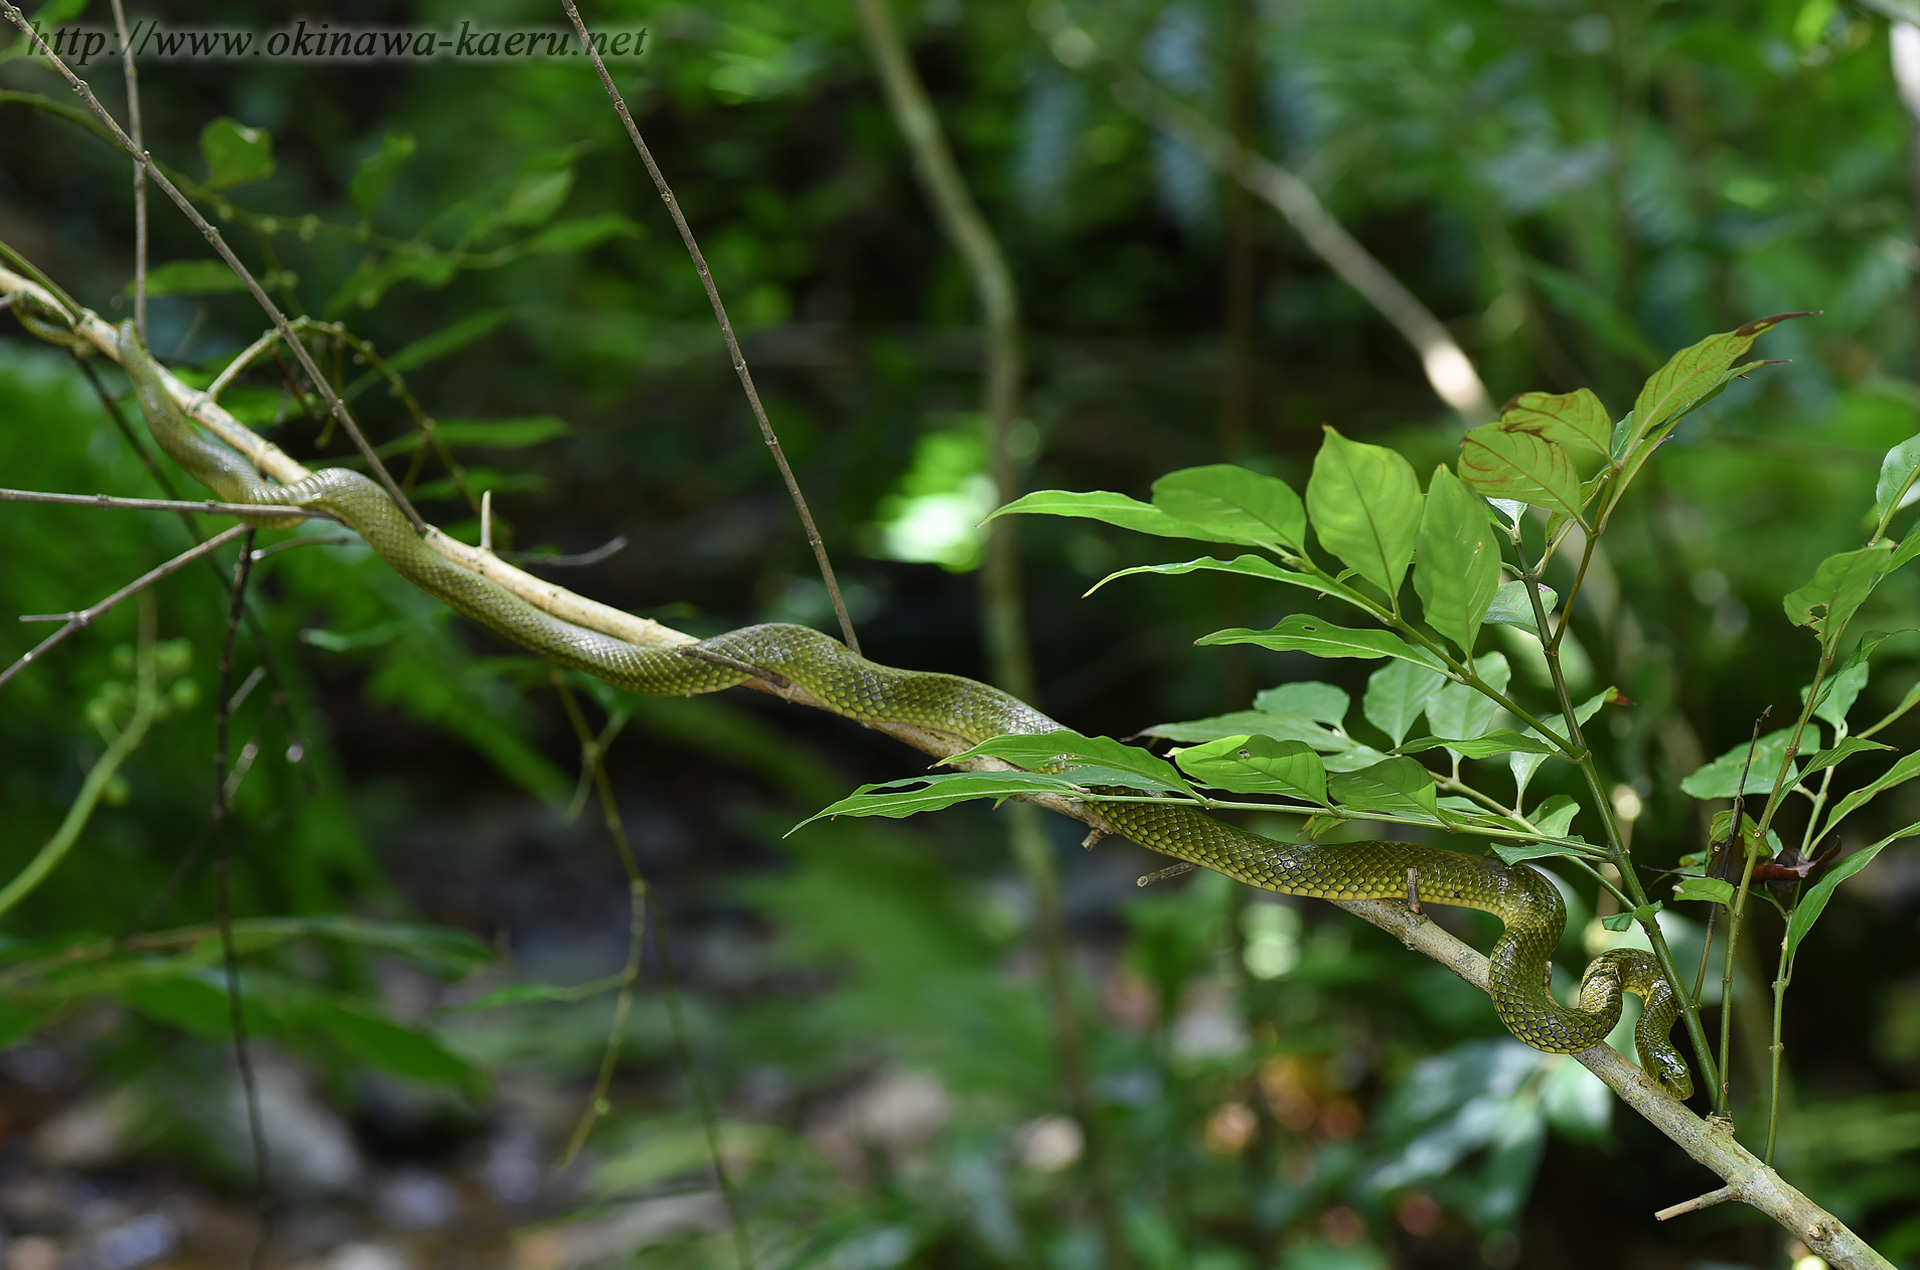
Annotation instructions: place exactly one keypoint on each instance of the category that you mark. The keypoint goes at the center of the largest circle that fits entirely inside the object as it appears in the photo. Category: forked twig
(644, 907)
(88, 616)
(726, 330)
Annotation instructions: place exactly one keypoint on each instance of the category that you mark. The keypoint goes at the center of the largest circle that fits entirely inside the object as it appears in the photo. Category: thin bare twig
(219, 244)
(726, 329)
(222, 866)
(1009, 655)
(254, 510)
(644, 907)
(139, 172)
(87, 617)
(1695, 1204)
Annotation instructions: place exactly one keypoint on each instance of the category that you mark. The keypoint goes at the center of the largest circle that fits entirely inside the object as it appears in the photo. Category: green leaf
(1456, 571)
(192, 277)
(492, 434)
(1553, 816)
(1519, 852)
(1900, 773)
(1840, 586)
(447, 339)
(1320, 702)
(1721, 778)
(1712, 890)
(530, 993)
(1232, 500)
(1398, 786)
(1250, 566)
(581, 233)
(1511, 607)
(1574, 419)
(1814, 902)
(1909, 548)
(1365, 504)
(1487, 745)
(19, 1021)
(1258, 765)
(1627, 921)
(1298, 633)
(235, 153)
(1694, 374)
(915, 794)
(377, 170)
(1113, 509)
(1842, 688)
(1085, 760)
(1280, 726)
(1397, 694)
(536, 196)
(1503, 460)
(1460, 711)
(1895, 488)
(1839, 753)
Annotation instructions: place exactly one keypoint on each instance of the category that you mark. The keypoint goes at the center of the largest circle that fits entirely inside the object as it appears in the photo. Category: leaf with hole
(1365, 504)
(1258, 765)
(1839, 587)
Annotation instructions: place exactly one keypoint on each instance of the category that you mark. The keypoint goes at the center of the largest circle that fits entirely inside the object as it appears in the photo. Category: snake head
(1669, 1071)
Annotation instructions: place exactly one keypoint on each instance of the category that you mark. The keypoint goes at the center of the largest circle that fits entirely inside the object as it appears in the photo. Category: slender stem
(643, 907)
(1616, 845)
(1782, 976)
(222, 867)
(255, 510)
(726, 328)
(139, 172)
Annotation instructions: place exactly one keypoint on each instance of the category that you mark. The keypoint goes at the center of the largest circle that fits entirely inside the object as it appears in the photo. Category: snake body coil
(848, 684)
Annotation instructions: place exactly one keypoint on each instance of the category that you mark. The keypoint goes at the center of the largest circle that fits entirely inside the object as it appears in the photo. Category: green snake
(971, 712)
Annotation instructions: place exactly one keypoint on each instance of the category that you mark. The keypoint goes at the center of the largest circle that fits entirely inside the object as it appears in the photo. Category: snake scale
(849, 684)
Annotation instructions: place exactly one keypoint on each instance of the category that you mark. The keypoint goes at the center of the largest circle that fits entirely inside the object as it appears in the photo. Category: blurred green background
(1575, 190)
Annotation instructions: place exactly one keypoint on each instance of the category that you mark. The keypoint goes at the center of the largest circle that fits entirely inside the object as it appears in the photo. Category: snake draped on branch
(971, 712)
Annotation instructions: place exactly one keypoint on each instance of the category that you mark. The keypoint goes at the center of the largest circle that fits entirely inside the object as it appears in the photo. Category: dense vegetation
(421, 874)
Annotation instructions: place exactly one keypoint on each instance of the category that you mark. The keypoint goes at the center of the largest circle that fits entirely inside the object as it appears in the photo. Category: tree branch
(1751, 1181)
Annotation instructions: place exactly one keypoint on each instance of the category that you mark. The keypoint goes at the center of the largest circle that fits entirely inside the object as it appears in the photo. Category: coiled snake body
(848, 684)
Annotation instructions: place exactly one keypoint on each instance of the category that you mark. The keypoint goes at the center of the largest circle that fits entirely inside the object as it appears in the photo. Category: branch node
(1697, 1203)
